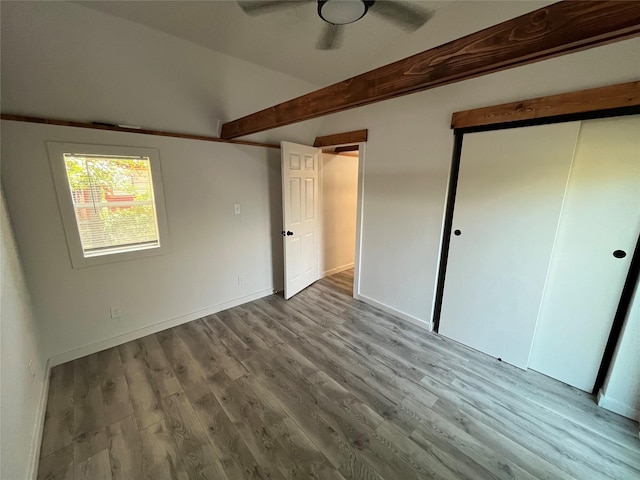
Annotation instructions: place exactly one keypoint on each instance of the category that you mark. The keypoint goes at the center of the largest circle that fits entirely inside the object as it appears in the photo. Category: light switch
(236, 208)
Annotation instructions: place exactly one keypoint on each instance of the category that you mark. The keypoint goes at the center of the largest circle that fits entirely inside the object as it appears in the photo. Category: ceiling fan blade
(406, 16)
(257, 7)
(331, 37)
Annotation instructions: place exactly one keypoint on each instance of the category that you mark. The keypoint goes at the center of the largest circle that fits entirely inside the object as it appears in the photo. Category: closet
(544, 225)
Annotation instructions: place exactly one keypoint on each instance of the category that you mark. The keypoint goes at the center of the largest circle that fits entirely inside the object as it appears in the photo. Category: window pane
(113, 203)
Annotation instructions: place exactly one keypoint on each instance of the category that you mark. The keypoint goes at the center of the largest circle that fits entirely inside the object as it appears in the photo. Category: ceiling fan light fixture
(342, 12)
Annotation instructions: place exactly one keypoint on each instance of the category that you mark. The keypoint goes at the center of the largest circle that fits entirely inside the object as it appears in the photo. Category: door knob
(287, 233)
(457, 233)
(619, 253)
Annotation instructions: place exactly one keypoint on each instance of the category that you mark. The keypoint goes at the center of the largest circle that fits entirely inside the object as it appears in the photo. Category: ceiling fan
(337, 13)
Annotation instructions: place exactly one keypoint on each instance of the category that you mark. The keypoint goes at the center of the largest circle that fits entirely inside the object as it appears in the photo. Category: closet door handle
(619, 253)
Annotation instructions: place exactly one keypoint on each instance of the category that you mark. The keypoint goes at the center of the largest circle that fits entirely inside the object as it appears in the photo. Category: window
(111, 201)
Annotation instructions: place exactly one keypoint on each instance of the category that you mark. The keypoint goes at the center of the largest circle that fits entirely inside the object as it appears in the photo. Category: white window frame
(57, 150)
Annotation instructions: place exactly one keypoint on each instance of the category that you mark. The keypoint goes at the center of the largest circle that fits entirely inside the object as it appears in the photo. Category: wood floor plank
(57, 466)
(146, 354)
(236, 321)
(358, 430)
(58, 432)
(224, 355)
(425, 456)
(387, 380)
(193, 445)
(262, 322)
(209, 354)
(162, 459)
(321, 386)
(233, 453)
(115, 390)
(145, 398)
(528, 384)
(181, 361)
(61, 389)
(308, 462)
(220, 331)
(96, 467)
(280, 312)
(89, 421)
(477, 421)
(321, 303)
(125, 450)
(530, 413)
(357, 378)
(325, 390)
(243, 412)
(347, 431)
(303, 459)
(303, 410)
(247, 316)
(449, 436)
(306, 306)
(575, 457)
(263, 429)
(562, 400)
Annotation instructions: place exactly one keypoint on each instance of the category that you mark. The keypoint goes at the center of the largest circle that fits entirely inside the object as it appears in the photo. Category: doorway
(322, 214)
(339, 172)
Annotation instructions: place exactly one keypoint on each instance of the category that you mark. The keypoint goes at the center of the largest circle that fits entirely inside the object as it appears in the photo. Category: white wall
(22, 387)
(210, 245)
(408, 155)
(339, 204)
(621, 391)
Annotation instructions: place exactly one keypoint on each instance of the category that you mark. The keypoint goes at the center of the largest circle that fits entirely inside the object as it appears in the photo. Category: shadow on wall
(275, 218)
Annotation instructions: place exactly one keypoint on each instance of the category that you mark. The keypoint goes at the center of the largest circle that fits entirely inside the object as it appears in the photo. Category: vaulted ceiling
(283, 40)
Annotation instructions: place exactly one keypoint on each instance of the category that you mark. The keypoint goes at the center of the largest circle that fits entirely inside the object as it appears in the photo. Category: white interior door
(510, 189)
(601, 214)
(300, 165)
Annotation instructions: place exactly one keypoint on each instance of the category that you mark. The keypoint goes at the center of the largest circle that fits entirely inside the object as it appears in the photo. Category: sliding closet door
(510, 190)
(601, 215)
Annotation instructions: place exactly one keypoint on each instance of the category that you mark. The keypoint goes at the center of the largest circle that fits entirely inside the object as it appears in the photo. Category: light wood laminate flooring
(320, 387)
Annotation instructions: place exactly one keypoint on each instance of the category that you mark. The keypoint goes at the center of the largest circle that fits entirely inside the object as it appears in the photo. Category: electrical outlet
(240, 280)
(115, 312)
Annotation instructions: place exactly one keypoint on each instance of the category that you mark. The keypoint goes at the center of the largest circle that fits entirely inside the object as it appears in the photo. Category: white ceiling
(283, 40)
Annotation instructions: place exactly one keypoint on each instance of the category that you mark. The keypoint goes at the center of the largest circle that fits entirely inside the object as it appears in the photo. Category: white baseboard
(385, 308)
(155, 328)
(615, 406)
(38, 428)
(333, 271)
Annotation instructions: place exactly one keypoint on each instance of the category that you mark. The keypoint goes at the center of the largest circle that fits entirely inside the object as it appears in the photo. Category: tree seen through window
(113, 202)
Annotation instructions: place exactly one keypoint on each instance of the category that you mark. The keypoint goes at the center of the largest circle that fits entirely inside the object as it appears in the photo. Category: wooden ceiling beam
(347, 148)
(595, 99)
(141, 131)
(557, 29)
(356, 136)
